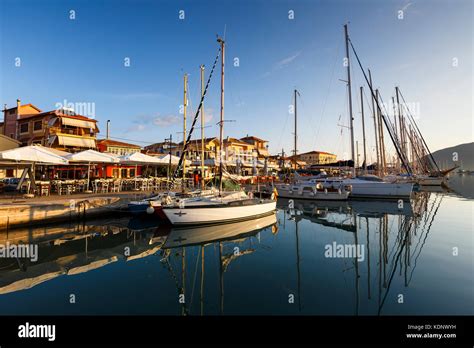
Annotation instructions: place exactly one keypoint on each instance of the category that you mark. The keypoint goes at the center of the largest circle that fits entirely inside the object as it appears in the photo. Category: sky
(51, 56)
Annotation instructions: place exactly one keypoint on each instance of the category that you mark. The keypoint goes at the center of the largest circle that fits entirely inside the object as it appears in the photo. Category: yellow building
(316, 157)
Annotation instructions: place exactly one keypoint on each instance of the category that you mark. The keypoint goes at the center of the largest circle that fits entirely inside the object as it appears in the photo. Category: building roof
(236, 141)
(198, 141)
(110, 142)
(160, 144)
(316, 152)
(30, 105)
(251, 137)
(59, 114)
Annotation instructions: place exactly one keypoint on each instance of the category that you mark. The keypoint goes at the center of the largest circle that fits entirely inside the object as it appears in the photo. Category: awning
(77, 142)
(77, 123)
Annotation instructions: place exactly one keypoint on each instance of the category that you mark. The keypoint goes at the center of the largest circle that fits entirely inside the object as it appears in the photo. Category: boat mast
(185, 105)
(296, 130)
(221, 123)
(348, 66)
(202, 127)
(396, 130)
(363, 127)
(383, 161)
(375, 124)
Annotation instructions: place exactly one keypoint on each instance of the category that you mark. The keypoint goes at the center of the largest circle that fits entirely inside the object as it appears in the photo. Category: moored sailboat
(220, 208)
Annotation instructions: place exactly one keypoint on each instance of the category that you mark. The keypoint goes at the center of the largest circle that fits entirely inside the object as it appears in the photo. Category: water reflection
(274, 258)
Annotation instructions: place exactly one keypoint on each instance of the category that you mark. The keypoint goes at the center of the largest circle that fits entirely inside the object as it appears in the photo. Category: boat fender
(339, 191)
(150, 210)
(325, 191)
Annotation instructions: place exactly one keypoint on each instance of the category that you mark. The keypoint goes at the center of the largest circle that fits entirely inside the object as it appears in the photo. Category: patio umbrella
(33, 154)
(91, 156)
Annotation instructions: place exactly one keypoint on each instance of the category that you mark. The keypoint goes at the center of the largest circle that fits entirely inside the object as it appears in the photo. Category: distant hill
(444, 157)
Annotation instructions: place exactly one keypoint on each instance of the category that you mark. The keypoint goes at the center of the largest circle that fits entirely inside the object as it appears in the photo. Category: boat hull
(380, 190)
(217, 214)
(299, 191)
(430, 181)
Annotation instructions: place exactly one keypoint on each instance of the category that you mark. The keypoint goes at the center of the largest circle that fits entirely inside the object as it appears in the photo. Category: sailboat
(312, 187)
(220, 208)
(371, 186)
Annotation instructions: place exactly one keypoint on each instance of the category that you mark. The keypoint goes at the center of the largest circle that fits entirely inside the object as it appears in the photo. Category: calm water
(275, 265)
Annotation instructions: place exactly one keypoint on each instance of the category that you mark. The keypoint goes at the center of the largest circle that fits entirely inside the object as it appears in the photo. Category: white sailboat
(316, 189)
(370, 186)
(221, 208)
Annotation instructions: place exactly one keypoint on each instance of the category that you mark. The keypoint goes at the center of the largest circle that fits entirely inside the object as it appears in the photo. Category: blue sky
(82, 60)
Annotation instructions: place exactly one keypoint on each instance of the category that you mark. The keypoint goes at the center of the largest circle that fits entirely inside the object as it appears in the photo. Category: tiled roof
(59, 114)
(116, 143)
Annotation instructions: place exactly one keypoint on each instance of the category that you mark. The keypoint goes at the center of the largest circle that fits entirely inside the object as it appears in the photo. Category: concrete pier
(45, 210)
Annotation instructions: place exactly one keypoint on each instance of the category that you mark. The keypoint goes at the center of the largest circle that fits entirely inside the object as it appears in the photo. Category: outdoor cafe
(46, 171)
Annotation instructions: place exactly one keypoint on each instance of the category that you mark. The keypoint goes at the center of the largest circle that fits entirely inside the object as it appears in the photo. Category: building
(161, 148)
(9, 126)
(259, 144)
(60, 129)
(117, 147)
(316, 157)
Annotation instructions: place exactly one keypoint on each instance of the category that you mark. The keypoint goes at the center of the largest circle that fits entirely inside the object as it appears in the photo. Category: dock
(20, 212)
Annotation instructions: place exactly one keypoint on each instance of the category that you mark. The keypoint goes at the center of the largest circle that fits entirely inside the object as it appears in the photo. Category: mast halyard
(348, 66)
(221, 123)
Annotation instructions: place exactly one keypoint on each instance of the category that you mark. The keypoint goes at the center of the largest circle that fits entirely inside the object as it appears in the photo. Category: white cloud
(404, 8)
(282, 63)
(285, 61)
(166, 121)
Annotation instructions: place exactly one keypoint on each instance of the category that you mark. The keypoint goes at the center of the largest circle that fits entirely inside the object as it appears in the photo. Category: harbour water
(310, 258)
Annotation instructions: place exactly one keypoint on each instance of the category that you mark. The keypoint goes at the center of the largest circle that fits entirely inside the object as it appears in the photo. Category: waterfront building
(259, 144)
(315, 157)
(61, 129)
(118, 148)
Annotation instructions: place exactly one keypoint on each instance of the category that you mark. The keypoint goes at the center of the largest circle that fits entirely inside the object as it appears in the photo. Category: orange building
(118, 148)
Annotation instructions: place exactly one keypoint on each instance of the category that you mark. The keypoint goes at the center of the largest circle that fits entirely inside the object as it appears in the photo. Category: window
(38, 125)
(24, 127)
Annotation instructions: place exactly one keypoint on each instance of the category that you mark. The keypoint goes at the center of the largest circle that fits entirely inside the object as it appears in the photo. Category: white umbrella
(139, 158)
(33, 154)
(174, 159)
(91, 156)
